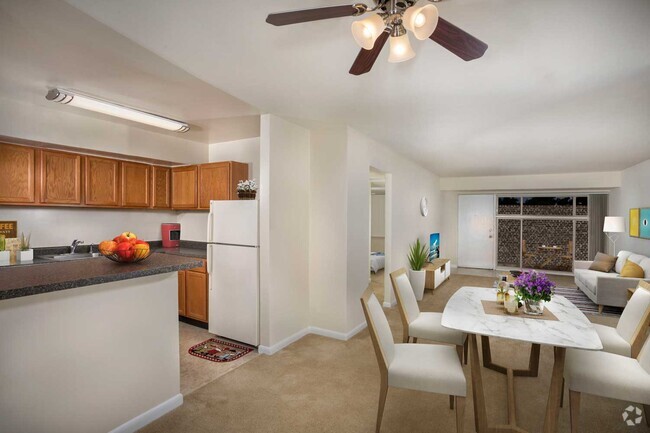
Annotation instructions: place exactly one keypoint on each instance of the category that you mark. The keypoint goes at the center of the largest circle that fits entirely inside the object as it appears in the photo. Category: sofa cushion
(622, 258)
(632, 270)
(603, 263)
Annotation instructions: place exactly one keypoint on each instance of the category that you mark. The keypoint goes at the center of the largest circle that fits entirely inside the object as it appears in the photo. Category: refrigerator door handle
(209, 258)
(210, 218)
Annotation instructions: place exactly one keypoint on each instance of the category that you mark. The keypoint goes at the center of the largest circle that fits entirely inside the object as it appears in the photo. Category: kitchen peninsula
(89, 345)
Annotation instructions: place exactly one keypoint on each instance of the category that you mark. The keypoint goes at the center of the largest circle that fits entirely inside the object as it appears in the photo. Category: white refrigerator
(233, 270)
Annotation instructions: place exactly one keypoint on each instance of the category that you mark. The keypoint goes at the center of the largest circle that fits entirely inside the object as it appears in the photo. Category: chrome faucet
(74, 245)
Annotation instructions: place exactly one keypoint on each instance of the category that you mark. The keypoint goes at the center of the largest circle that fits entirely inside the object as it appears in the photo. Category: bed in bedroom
(377, 261)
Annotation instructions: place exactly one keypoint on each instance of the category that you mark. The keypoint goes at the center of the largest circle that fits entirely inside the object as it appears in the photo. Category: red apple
(140, 241)
(125, 250)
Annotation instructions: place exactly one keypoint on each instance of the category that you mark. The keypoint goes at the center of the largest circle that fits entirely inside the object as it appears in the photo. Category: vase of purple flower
(534, 288)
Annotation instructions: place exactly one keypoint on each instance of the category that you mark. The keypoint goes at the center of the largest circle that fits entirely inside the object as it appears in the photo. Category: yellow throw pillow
(632, 270)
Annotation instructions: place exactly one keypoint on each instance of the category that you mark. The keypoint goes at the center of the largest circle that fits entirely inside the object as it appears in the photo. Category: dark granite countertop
(184, 252)
(19, 281)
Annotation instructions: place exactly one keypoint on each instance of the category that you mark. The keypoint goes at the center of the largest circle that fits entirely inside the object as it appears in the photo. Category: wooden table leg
(555, 391)
(478, 396)
(533, 360)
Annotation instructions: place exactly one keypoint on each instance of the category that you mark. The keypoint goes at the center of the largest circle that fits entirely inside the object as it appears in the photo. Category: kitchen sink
(67, 257)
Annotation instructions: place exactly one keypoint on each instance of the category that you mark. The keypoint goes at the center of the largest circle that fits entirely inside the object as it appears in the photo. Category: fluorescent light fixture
(77, 99)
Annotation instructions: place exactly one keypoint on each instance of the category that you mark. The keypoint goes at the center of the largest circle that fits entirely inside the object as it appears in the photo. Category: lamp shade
(614, 224)
(400, 49)
(366, 31)
(421, 20)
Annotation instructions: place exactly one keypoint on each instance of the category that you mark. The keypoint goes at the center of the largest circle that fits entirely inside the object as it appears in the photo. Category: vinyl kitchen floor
(195, 371)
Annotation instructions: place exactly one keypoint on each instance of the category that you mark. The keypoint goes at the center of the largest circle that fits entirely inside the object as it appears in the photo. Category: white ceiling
(51, 44)
(563, 87)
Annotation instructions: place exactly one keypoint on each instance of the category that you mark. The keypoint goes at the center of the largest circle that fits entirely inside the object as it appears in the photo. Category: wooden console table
(437, 272)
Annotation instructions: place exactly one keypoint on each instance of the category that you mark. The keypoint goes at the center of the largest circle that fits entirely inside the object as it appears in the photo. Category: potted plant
(25, 254)
(534, 289)
(4, 255)
(247, 189)
(417, 257)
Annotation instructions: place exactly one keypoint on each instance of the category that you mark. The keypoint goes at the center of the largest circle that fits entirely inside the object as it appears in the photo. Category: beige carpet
(323, 385)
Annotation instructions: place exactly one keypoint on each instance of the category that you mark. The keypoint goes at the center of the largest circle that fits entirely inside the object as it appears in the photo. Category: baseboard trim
(149, 416)
(343, 336)
(270, 350)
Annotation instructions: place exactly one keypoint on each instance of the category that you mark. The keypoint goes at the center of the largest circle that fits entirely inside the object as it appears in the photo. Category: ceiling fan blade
(303, 16)
(366, 58)
(459, 42)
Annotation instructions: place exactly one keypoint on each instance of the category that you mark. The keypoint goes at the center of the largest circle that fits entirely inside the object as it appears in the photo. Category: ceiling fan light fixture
(400, 49)
(421, 20)
(366, 31)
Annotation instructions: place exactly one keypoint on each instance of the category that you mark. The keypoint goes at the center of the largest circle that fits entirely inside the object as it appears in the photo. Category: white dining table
(464, 312)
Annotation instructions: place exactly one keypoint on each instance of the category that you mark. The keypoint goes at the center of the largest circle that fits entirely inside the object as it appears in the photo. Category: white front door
(476, 231)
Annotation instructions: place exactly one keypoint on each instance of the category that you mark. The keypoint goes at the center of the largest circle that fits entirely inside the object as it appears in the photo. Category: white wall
(634, 192)
(89, 359)
(327, 233)
(284, 229)
(408, 183)
(377, 217)
(247, 151)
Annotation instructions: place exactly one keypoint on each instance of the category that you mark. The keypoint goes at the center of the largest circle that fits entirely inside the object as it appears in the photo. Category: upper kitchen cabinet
(60, 177)
(218, 181)
(16, 174)
(161, 187)
(136, 180)
(184, 187)
(102, 181)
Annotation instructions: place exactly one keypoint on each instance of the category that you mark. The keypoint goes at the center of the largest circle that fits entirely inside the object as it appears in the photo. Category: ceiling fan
(390, 20)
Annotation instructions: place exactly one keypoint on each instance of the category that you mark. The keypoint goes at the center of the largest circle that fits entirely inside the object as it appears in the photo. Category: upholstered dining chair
(417, 324)
(628, 336)
(421, 367)
(607, 375)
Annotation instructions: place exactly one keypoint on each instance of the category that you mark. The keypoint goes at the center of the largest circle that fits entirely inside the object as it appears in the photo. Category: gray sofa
(609, 288)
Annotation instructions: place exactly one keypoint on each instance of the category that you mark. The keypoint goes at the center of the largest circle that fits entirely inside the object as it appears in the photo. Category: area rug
(585, 304)
(219, 350)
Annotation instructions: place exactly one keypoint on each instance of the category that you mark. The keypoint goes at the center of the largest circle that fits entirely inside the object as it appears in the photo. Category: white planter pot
(5, 256)
(25, 256)
(417, 282)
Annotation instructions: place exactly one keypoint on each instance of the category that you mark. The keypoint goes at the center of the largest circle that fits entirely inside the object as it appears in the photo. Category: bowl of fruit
(125, 248)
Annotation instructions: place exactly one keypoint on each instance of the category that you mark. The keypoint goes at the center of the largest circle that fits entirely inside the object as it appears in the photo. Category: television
(434, 246)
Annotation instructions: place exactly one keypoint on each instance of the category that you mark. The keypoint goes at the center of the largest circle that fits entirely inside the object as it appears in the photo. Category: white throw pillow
(620, 262)
(645, 264)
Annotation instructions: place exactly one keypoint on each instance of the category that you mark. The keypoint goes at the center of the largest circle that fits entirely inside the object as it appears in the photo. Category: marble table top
(464, 312)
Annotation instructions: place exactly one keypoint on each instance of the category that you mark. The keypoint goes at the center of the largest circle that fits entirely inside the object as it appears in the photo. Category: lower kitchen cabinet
(193, 294)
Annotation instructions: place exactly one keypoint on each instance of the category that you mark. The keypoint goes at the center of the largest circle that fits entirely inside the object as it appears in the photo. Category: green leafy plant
(24, 241)
(418, 255)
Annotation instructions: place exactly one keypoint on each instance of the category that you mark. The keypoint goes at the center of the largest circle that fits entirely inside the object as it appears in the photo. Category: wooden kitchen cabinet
(184, 187)
(181, 293)
(218, 181)
(102, 184)
(136, 180)
(17, 179)
(161, 187)
(193, 293)
(60, 177)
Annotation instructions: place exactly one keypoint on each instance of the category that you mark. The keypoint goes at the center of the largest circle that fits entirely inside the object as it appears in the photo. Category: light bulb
(366, 31)
(400, 49)
(421, 20)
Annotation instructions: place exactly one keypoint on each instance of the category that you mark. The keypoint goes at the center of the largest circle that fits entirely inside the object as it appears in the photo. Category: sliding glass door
(542, 232)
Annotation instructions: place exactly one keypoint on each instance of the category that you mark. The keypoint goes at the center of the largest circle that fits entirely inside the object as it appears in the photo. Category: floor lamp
(614, 225)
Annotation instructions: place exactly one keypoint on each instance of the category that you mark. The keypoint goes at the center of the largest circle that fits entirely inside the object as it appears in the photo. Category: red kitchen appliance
(171, 235)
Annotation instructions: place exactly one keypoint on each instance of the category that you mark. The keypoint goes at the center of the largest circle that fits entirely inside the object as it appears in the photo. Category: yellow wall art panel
(634, 222)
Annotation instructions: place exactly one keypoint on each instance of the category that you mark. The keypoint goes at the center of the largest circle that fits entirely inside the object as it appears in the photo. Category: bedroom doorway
(378, 239)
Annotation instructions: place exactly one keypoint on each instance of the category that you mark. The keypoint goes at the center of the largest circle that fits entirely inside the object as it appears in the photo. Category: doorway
(379, 234)
(476, 231)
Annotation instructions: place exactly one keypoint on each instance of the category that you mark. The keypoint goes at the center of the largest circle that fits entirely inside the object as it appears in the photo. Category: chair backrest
(633, 324)
(406, 301)
(380, 333)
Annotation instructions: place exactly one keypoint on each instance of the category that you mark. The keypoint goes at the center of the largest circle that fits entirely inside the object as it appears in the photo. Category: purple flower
(534, 286)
